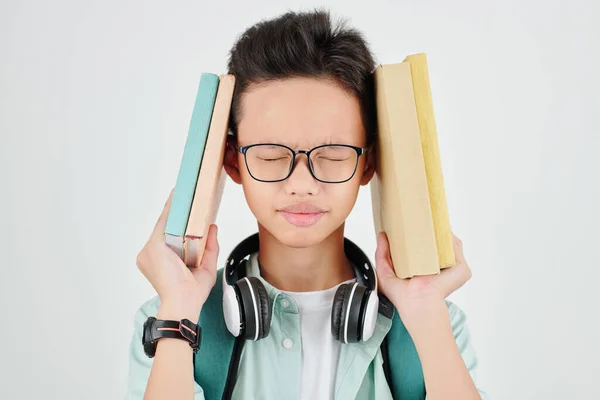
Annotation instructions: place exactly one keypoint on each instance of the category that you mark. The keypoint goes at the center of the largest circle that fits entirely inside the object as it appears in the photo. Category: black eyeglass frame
(359, 152)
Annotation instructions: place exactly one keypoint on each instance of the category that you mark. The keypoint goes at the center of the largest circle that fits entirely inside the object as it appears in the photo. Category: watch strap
(183, 329)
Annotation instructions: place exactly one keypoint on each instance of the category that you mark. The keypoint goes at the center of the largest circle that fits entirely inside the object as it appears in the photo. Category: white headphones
(247, 307)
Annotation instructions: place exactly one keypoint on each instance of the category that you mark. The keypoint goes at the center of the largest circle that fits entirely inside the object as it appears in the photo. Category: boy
(302, 83)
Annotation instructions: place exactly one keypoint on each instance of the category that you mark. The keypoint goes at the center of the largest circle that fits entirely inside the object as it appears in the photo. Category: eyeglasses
(328, 163)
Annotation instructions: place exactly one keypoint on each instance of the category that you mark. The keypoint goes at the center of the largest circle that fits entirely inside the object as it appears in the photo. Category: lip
(302, 208)
(302, 214)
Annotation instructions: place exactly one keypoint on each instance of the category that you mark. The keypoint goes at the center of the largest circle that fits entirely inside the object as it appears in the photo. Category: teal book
(185, 187)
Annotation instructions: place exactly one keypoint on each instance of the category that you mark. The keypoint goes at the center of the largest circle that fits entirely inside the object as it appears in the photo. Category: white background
(95, 102)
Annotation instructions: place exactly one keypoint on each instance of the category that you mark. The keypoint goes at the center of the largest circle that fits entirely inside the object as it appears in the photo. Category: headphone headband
(247, 308)
(365, 273)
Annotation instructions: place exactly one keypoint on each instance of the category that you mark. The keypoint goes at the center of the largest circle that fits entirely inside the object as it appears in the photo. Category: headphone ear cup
(369, 315)
(264, 307)
(232, 310)
(248, 319)
(256, 318)
(356, 314)
(338, 310)
(347, 314)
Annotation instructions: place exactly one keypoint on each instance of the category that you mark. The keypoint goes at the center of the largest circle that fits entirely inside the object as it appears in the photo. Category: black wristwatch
(156, 329)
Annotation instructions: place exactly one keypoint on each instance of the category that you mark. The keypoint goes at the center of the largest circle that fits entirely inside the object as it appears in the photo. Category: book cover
(401, 197)
(185, 185)
(211, 179)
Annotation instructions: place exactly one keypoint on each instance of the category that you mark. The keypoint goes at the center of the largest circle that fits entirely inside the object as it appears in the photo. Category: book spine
(190, 163)
(431, 156)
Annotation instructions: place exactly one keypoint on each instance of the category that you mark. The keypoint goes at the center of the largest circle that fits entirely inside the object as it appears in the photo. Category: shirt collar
(386, 309)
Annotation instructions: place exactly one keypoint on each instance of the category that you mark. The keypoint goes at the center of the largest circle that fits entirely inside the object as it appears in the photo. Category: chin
(300, 238)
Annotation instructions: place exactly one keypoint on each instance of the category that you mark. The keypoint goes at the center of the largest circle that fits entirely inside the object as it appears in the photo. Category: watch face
(150, 349)
(149, 345)
(146, 332)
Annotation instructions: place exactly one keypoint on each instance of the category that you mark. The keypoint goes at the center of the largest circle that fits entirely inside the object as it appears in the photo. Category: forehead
(300, 112)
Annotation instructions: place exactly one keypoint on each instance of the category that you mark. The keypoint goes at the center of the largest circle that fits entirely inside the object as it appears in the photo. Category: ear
(369, 168)
(230, 161)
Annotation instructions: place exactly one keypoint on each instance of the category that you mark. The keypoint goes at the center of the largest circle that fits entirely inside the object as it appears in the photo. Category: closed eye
(272, 159)
(332, 159)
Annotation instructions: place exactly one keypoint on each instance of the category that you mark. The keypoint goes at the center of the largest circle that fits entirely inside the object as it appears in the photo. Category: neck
(307, 269)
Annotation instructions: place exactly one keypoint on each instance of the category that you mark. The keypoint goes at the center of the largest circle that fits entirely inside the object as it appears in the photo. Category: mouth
(302, 214)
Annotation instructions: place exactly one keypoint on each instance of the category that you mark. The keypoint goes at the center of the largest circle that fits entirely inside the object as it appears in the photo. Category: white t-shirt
(320, 351)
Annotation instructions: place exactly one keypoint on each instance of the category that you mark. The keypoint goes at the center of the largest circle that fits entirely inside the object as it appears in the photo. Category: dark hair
(304, 44)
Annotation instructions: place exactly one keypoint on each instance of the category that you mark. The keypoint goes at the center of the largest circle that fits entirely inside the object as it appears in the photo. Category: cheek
(259, 196)
(341, 198)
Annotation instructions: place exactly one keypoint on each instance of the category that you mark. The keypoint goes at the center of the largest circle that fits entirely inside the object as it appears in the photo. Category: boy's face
(301, 113)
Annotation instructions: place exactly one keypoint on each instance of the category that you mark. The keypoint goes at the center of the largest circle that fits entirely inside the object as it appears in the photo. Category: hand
(182, 290)
(417, 298)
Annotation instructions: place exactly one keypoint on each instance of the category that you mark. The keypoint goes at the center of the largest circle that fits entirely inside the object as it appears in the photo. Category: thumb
(382, 257)
(206, 273)
(161, 223)
(386, 277)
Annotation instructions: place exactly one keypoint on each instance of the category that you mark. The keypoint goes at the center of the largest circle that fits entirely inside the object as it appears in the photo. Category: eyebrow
(328, 140)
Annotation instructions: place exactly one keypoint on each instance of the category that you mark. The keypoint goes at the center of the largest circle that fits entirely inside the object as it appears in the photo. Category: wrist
(184, 299)
(431, 336)
(177, 311)
(173, 344)
(425, 319)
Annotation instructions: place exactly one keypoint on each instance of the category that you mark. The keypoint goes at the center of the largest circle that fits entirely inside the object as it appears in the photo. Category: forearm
(446, 375)
(172, 375)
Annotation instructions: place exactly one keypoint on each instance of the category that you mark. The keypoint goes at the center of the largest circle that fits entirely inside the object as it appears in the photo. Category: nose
(301, 182)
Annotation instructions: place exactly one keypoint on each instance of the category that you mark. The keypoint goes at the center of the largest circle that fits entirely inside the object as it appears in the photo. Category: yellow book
(408, 195)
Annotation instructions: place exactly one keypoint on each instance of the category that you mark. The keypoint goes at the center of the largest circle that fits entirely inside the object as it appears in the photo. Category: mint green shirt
(270, 371)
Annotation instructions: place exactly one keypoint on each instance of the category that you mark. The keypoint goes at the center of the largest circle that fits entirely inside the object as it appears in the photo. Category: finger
(207, 271)
(455, 277)
(458, 250)
(161, 223)
(211, 253)
(451, 279)
(389, 284)
(383, 260)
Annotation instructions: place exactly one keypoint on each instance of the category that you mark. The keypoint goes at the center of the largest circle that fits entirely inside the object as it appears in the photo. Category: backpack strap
(386, 364)
(234, 366)
(211, 363)
(402, 363)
